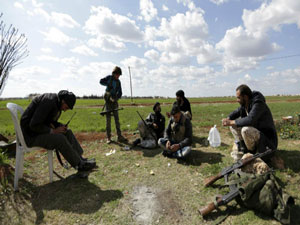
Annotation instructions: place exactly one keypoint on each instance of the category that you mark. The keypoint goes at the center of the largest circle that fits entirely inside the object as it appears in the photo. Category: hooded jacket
(260, 117)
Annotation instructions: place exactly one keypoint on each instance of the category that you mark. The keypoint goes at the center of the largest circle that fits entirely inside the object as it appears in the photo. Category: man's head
(179, 95)
(156, 107)
(243, 94)
(117, 72)
(176, 113)
(67, 99)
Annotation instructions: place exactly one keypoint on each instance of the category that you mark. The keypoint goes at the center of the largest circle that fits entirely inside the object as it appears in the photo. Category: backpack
(262, 192)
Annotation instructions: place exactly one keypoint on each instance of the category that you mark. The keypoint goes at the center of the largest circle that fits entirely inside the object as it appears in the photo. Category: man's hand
(60, 130)
(228, 122)
(168, 114)
(174, 147)
(155, 125)
(112, 99)
(168, 145)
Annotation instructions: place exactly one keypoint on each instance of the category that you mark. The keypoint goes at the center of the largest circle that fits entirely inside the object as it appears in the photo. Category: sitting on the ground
(177, 139)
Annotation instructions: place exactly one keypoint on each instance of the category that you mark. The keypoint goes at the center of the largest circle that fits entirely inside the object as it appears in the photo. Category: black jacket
(260, 117)
(159, 120)
(41, 112)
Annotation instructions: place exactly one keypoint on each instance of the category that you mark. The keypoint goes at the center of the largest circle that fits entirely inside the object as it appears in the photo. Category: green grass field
(107, 197)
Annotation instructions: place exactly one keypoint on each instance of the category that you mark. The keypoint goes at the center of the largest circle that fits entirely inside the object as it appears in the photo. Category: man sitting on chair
(41, 129)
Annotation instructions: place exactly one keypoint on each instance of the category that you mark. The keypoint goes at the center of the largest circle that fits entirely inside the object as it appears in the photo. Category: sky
(204, 47)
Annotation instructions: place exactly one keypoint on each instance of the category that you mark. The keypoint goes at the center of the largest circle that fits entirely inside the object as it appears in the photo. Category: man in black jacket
(40, 128)
(252, 123)
(155, 123)
(183, 104)
(178, 135)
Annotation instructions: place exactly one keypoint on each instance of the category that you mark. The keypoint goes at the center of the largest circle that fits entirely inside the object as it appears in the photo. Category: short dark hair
(180, 93)
(117, 70)
(68, 97)
(244, 90)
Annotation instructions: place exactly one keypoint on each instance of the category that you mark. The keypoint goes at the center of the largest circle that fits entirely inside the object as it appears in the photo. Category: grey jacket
(188, 131)
(41, 112)
(260, 117)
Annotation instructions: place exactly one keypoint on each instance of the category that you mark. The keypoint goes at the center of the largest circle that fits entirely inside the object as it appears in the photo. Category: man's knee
(162, 143)
(186, 151)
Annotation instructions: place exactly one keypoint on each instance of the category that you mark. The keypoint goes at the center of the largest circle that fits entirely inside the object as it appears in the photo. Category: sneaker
(108, 141)
(86, 166)
(88, 160)
(122, 139)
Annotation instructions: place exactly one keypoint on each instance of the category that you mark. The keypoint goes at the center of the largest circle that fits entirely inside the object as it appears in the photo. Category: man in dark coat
(152, 129)
(178, 135)
(183, 104)
(40, 127)
(112, 94)
(252, 123)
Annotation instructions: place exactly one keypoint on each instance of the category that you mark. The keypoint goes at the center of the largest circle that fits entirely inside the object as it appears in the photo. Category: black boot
(242, 147)
(86, 166)
(92, 160)
(136, 142)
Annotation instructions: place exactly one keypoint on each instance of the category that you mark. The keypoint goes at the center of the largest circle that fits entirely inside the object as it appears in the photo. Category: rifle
(220, 200)
(148, 128)
(70, 119)
(242, 162)
(110, 111)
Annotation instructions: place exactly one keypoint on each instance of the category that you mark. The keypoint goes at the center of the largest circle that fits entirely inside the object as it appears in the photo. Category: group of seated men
(251, 124)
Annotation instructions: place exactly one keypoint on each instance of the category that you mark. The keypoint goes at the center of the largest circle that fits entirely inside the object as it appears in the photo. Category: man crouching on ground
(41, 129)
(177, 139)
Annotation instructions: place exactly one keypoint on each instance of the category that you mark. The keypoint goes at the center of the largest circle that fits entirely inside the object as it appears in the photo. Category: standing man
(151, 129)
(183, 104)
(177, 140)
(252, 123)
(40, 128)
(112, 94)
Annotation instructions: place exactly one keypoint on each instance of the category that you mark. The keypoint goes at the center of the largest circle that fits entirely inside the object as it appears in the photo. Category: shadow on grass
(148, 152)
(71, 195)
(201, 141)
(196, 158)
(291, 159)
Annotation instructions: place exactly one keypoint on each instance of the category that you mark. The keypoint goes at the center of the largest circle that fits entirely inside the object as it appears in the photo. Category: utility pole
(130, 83)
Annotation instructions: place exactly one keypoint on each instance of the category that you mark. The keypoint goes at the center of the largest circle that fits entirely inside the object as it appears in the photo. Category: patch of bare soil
(145, 204)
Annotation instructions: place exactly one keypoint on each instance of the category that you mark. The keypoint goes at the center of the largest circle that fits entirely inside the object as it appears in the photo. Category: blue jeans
(180, 153)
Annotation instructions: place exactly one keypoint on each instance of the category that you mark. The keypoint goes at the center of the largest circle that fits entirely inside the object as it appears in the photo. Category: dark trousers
(66, 144)
(111, 106)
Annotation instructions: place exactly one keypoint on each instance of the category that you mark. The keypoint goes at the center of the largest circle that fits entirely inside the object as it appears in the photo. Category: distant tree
(13, 48)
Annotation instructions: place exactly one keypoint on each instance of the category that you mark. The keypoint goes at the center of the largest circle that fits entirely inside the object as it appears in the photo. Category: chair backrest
(14, 110)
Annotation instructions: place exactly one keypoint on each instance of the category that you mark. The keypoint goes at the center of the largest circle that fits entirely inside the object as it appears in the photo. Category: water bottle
(214, 137)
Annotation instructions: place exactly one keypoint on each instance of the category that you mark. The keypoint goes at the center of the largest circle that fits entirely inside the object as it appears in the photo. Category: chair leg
(19, 154)
(50, 163)
(21, 167)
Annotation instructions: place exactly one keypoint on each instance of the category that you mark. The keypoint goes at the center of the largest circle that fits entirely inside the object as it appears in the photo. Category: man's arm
(187, 141)
(104, 81)
(235, 114)
(167, 133)
(119, 91)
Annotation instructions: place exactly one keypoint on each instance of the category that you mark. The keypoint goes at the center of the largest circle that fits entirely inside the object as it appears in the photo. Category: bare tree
(13, 48)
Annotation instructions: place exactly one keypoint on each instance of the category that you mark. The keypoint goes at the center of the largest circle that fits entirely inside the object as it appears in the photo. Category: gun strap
(64, 165)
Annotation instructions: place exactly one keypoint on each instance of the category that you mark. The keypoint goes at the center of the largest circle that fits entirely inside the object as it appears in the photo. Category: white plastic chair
(21, 146)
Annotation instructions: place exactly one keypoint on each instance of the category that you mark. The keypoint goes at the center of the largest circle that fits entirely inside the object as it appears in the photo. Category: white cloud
(272, 16)
(18, 5)
(46, 50)
(106, 44)
(165, 8)
(219, 2)
(56, 36)
(240, 43)
(152, 55)
(84, 50)
(71, 61)
(108, 25)
(147, 10)
(63, 20)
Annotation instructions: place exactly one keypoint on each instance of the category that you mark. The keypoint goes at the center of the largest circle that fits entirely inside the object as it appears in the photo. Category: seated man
(177, 140)
(183, 104)
(40, 128)
(252, 123)
(151, 129)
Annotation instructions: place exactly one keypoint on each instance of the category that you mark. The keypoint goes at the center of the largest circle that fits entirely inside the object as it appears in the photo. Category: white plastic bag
(214, 137)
